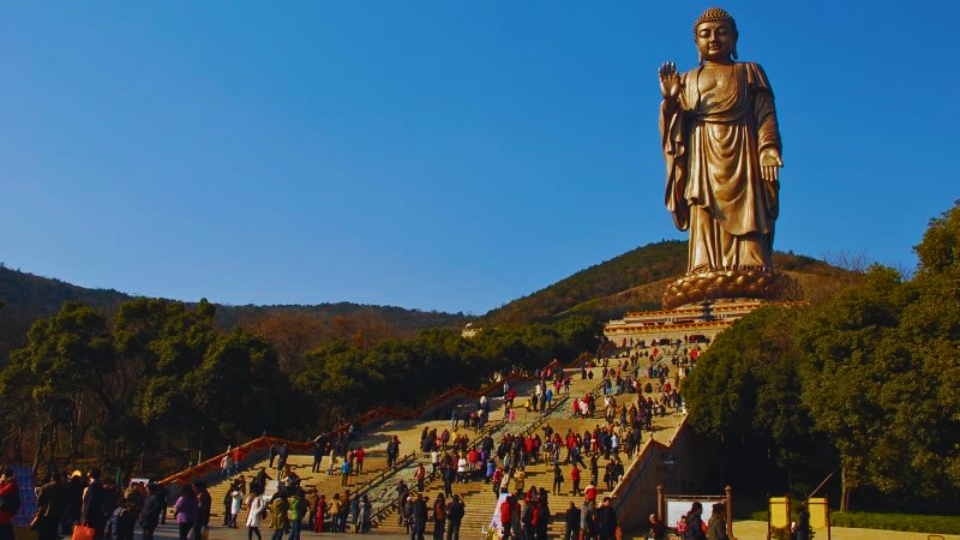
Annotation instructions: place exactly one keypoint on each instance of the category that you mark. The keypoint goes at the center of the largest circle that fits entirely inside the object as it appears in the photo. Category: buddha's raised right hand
(669, 81)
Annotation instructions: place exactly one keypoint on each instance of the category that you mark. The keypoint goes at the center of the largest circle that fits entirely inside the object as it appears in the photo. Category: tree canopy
(870, 377)
(159, 380)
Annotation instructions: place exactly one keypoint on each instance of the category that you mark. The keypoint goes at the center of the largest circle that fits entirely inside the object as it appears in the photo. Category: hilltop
(635, 280)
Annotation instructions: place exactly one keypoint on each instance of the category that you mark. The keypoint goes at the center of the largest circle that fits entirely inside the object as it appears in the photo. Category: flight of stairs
(478, 496)
(373, 464)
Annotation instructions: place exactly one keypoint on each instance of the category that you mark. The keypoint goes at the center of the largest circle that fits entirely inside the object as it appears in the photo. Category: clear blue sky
(447, 154)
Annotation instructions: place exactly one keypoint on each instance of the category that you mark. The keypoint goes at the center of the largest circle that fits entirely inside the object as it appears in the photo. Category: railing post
(729, 493)
(661, 502)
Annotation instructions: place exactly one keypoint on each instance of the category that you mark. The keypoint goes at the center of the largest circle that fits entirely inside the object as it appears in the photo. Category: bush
(898, 522)
(891, 522)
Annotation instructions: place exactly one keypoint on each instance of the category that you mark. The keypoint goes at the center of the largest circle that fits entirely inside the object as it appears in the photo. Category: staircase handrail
(387, 472)
(488, 428)
(205, 468)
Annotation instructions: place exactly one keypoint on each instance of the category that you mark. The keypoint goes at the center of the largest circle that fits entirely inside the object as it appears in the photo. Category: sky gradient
(448, 155)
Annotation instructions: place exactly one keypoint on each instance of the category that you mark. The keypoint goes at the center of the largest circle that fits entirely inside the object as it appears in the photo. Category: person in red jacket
(473, 458)
(359, 455)
(9, 492)
(506, 510)
(591, 493)
(575, 479)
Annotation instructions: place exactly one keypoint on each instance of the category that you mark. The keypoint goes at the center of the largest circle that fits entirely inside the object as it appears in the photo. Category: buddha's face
(716, 41)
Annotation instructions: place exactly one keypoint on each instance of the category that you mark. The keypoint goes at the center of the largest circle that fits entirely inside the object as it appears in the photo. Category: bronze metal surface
(721, 143)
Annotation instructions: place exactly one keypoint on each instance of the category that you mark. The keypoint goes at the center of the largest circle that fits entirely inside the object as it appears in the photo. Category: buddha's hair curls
(715, 14)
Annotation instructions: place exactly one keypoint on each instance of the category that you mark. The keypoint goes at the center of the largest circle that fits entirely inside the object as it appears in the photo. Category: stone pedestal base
(757, 283)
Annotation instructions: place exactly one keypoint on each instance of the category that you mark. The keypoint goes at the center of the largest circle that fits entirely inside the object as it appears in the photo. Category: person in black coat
(51, 506)
(572, 519)
(543, 515)
(657, 529)
(803, 522)
(455, 513)
(152, 508)
(419, 515)
(694, 523)
(91, 509)
(607, 520)
(204, 503)
(527, 518)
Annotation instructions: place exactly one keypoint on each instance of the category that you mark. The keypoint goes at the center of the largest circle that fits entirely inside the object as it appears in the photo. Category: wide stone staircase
(479, 498)
(375, 480)
(379, 483)
(374, 464)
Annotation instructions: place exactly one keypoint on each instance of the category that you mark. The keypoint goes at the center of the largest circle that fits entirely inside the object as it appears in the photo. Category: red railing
(262, 443)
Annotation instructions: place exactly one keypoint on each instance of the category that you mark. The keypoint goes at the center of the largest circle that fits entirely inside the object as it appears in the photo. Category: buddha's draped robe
(711, 143)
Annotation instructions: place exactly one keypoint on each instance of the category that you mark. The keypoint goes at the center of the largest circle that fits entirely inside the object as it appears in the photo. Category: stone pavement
(222, 533)
(757, 530)
(743, 530)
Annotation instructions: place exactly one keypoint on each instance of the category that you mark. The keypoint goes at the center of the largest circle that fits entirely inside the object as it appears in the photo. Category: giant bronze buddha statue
(721, 143)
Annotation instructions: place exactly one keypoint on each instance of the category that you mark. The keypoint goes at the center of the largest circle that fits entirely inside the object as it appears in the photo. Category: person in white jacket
(255, 504)
(236, 504)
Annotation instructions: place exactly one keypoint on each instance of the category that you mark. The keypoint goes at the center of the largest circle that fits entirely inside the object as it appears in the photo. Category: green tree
(66, 370)
(335, 377)
(239, 375)
(865, 386)
(931, 328)
(159, 343)
(746, 392)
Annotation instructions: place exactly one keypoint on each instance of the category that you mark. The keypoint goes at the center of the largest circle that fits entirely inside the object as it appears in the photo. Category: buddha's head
(715, 34)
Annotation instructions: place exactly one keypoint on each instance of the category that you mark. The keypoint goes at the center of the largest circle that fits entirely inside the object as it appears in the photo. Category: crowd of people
(526, 515)
(416, 512)
(292, 508)
(66, 500)
(525, 511)
(692, 526)
(501, 464)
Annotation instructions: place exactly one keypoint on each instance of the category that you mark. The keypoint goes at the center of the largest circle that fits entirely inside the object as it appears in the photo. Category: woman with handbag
(51, 505)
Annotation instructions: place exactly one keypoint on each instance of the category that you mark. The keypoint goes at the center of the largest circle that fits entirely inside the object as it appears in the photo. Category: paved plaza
(744, 530)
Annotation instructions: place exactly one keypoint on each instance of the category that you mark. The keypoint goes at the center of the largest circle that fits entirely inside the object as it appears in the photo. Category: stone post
(729, 493)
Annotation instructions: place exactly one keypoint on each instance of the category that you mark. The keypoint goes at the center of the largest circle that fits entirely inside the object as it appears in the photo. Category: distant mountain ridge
(632, 281)
(28, 297)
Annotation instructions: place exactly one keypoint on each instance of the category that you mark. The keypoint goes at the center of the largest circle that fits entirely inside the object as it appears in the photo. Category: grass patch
(898, 522)
(886, 521)
(760, 515)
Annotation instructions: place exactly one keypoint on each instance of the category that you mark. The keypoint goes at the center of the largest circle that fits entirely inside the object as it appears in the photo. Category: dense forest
(866, 383)
(157, 382)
